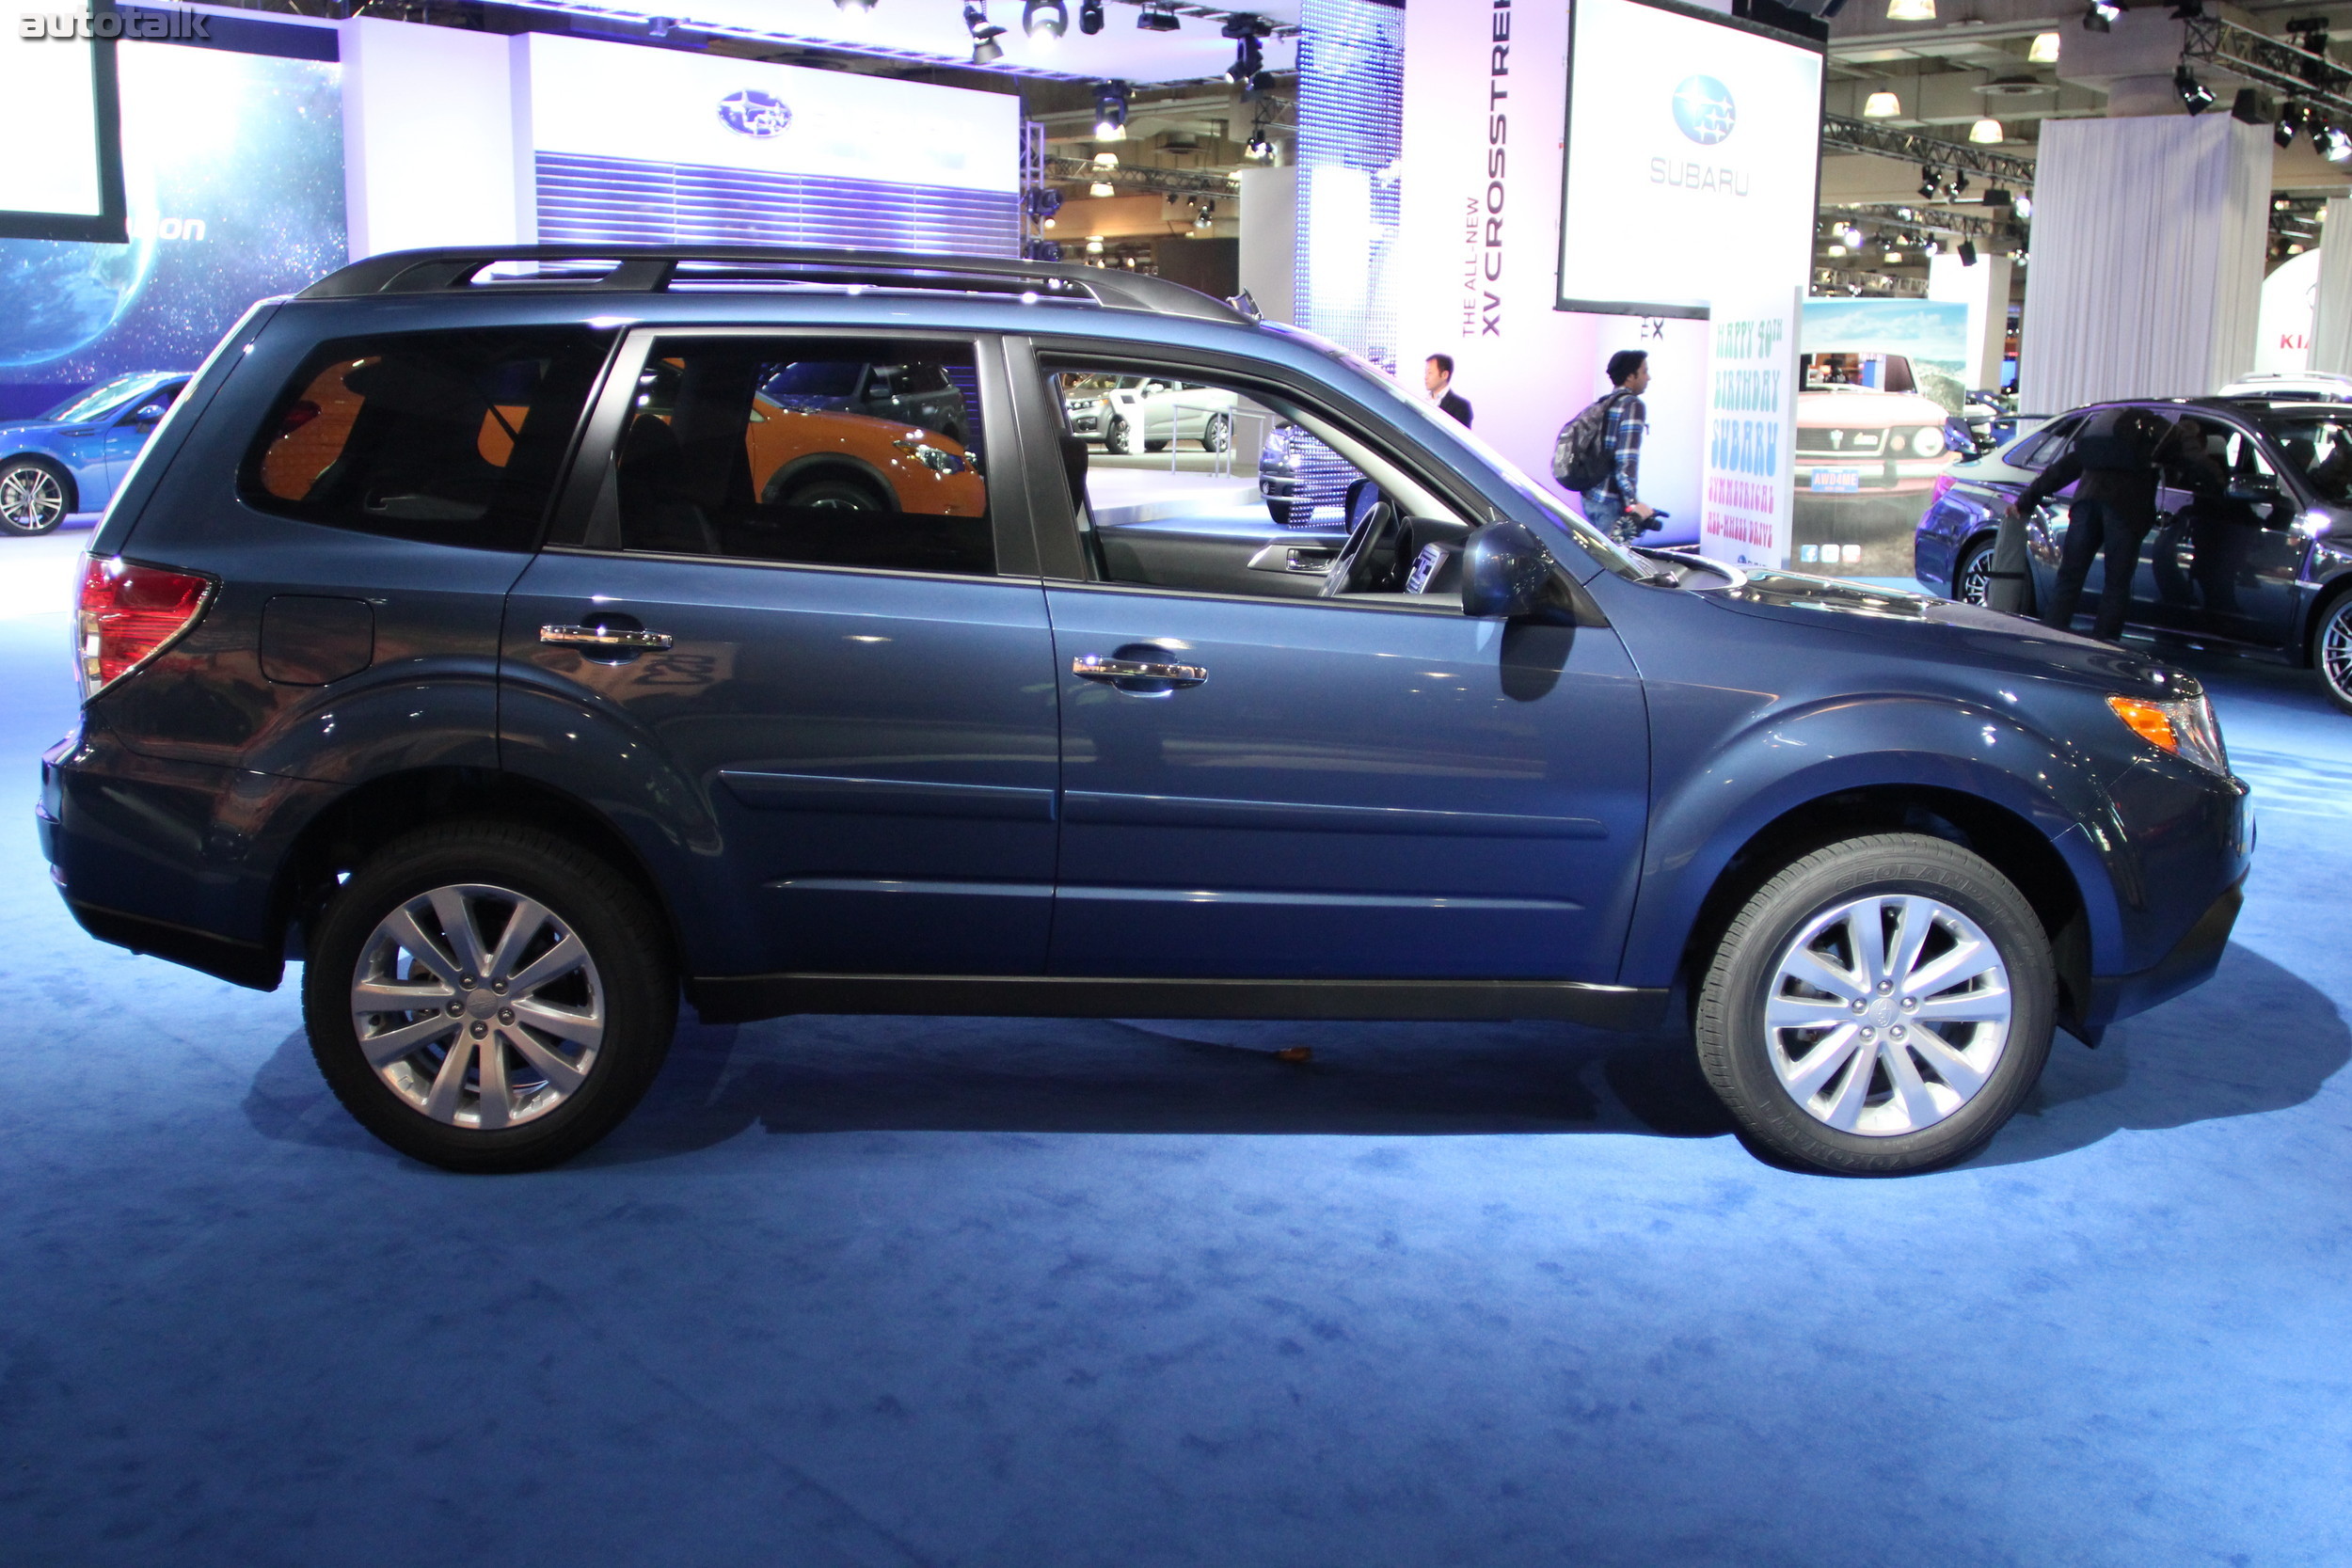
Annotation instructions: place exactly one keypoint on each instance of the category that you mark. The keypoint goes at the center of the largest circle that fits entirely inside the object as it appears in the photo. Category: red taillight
(126, 614)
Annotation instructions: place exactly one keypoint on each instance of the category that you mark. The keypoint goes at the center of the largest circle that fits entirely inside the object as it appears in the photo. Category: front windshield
(98, 399)
(1404, 407)
(2320, 449)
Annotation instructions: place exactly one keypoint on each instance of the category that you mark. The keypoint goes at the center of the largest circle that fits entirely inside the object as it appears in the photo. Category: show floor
(952, 1292)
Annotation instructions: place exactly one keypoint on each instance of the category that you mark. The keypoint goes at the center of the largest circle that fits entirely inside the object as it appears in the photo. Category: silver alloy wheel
(31, 499)
(2335, 649)
(1217, 434)
(1886, 1014)
(478, 1030)
(1975, 576)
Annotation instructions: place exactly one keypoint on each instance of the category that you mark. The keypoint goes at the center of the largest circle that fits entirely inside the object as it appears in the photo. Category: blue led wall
(1351, 143)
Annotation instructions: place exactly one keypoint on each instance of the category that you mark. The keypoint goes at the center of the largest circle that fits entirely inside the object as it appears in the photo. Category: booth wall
(429, 129)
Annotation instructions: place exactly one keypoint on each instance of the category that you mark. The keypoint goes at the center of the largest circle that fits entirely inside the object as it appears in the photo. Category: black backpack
(1581, 458)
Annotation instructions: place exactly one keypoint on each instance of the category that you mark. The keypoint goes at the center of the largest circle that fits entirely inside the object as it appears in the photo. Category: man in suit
(1437, 376)
(2112, 465)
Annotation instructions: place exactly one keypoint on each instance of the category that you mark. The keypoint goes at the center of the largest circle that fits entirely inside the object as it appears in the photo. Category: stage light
(1851, 235)
(2333, 142)
(2282, 133)
(985, 33)
(1967, 253)
(1044, 19)
(2249, 108)
(2022, 206)
(1090, 16)
(1985, 132)
(2195, 96)
(1881, 106)
(1258, 147)
(2044, 50)
(1910, 11)
(1204, 215)
(1110, 111)
(1157, 18)
(2101, 17)
(1101, 187)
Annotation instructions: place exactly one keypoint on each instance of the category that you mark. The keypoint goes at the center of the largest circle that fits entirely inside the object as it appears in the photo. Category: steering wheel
(1367, 563)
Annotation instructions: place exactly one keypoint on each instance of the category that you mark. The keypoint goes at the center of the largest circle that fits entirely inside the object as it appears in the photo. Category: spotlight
(1927, 181)
(2044, 50)
(1045, 19)
(1851, 235)
(1090, 17)
(1987, 131)
(2250, 108)
(1204, 215)
(1967, 253)
(1258, 149)
(1881, 106)
(1110, 111)
(1959, 183)
(984, 33)
(2195, 96)
(2290, 116)
(2333, 142)
(1894, 256)
(2101, 17)
(1157, 17)
(2022, 206)
(1910, 11)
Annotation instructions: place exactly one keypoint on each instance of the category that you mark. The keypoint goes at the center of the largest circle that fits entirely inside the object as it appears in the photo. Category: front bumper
(2189, 964)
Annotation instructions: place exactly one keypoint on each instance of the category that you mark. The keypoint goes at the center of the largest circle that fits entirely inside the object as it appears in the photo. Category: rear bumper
(2188, 965)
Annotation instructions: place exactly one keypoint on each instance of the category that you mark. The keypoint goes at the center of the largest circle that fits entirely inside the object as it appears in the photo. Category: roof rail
(652, 269)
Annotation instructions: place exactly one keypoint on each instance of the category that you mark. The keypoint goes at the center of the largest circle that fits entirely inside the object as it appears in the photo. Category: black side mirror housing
(1507, 574)
(151, 414)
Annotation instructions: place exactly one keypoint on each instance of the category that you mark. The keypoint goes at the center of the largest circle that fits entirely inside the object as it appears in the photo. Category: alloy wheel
(31, 499)
(479, 1007)
(1887, 1014)
(1975, 576)
(2335, 651)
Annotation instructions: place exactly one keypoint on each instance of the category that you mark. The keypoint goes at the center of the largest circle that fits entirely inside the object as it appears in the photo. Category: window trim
(589, 466)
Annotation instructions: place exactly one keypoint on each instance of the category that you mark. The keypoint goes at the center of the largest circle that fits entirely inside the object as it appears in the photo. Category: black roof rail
(651, 269)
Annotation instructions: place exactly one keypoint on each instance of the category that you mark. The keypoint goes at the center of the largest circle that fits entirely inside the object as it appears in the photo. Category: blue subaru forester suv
(492, 632)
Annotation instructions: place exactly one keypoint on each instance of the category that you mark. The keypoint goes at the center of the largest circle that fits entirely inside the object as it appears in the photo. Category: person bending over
(2112, 466)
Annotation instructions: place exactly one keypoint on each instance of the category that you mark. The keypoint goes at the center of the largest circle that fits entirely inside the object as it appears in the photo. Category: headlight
(2186, 726)
(1928, 442)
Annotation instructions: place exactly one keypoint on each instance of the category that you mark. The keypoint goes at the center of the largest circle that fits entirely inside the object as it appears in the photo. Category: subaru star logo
(750, 113)
(1704, 109)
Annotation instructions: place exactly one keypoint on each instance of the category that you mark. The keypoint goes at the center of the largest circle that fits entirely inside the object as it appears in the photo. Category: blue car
(70, 458)
(464, 650)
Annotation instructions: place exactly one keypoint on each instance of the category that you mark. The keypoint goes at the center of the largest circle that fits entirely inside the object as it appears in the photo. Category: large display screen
(66, 181)
(1692, 139)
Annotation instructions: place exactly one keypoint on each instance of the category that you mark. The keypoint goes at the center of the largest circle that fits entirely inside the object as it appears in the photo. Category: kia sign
(1692, 154)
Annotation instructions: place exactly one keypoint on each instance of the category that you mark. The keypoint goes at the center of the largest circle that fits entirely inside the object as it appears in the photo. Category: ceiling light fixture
(1987, 131)
(1102, 188)
(1881, 106)
(2044, 50)
(2022, 206)
(1838, 250)
(1110, 111)
(985, 49)
(1044, 21)
(2195, 96)
(2290, 116)
(1910, 11)
(2334, 144)
(1929, 184)
(1851, 235)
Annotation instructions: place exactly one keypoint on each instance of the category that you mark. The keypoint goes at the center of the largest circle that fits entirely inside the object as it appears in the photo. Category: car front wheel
(1880, 1006)
(2331, 651)
(1120, 438)
(483, 996)
(35, 496)
(1972, 578)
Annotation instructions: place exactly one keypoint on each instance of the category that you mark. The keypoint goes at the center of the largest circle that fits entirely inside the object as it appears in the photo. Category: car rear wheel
(35, 496)
(2331, 651)
(1217, 434)
(1878, 1007)
(1972, 580)
(483, 996)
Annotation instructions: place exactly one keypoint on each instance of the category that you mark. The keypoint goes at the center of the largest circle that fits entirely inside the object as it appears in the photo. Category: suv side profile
(454, 638)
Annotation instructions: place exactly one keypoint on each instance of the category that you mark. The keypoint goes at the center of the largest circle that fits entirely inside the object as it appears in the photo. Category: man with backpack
(1598, 454)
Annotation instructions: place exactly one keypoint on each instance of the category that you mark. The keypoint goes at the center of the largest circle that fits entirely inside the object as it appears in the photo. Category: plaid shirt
(1621, 431)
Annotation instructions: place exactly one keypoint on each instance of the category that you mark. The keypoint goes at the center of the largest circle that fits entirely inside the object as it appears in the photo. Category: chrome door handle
(1095, 667)
(607, 640)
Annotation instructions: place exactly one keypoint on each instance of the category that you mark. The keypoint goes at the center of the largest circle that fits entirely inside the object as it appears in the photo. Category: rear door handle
(607, 639)
(1138, 678)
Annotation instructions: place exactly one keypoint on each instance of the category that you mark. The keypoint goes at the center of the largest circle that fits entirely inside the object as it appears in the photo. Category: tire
(618, 973)
(2332, 650)
(1118, 438)
(1155, 445)
(1933, 1095)
(832, 493)
(35, 496)
(1217, 434)
(1972, 574)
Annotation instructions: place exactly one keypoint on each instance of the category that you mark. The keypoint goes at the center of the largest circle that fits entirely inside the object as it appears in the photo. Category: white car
(1147, 415)
(2292, 387)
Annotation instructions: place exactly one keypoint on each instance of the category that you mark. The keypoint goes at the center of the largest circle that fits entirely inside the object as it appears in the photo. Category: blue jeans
(1605, 510)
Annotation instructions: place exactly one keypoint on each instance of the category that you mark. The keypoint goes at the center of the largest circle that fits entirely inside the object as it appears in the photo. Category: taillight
(126, 614)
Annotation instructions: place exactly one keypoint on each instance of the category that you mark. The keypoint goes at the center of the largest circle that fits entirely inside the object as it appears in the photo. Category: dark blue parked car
(71, 458)
(444, 656)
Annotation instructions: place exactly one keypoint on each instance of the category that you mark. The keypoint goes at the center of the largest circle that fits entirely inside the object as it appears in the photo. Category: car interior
(1211, 533)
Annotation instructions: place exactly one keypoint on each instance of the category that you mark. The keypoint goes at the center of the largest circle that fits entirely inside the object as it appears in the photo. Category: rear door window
(450, 438)
(2039, 451)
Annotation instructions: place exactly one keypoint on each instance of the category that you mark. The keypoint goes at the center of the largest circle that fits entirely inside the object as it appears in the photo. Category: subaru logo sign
(750, 113)
(1702, 108)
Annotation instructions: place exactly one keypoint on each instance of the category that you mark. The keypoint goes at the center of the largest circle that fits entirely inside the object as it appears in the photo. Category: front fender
(1788, 760)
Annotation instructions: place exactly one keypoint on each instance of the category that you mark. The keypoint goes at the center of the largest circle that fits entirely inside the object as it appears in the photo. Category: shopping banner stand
(1751, 429)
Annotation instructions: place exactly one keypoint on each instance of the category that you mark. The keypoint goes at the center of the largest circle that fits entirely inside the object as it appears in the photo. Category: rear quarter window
(450, 437)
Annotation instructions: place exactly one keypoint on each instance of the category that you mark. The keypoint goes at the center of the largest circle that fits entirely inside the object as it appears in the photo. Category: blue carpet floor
(860, 1291)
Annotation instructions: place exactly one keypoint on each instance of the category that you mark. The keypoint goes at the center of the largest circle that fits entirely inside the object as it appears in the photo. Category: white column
(1269, 239)
(2331, 308)
(428, 137)
(1984, 289)
(2147, 262)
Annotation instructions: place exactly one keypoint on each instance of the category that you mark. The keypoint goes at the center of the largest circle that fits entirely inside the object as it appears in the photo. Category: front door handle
(1138, 678)
(607, 639)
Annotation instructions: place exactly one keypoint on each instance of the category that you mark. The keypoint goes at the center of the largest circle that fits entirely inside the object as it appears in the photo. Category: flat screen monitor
(62, 170)
(1693, 158)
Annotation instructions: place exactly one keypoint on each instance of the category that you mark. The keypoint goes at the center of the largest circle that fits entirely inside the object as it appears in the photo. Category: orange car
(820, 458)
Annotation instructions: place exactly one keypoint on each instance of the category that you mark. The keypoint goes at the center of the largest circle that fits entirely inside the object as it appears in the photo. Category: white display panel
(64, 181)
(1693, 155)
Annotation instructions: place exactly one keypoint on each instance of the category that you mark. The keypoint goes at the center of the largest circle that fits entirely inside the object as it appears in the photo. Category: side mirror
(151, 413)
(1506, 572)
